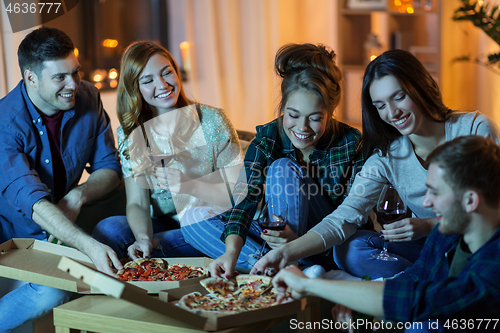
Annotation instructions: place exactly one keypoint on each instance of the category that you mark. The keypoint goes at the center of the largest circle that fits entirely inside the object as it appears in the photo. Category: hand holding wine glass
(273, 216)
(391, 207)
(161, 158)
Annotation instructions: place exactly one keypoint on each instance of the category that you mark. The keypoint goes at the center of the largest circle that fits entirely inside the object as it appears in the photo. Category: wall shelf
(418, 32)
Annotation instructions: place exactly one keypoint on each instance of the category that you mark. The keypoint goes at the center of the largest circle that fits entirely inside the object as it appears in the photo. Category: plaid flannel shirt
(425, 290)
(336, 166)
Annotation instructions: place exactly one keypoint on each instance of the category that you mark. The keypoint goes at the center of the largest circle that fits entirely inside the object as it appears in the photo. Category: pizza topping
(218, 286)
(254, 293)
(252, 286)
(157, 269)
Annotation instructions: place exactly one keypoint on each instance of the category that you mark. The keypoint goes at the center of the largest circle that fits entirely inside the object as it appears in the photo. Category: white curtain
(233, 44)
(9, 42)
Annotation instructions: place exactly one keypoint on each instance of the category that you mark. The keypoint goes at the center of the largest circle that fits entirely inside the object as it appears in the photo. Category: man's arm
(99, 183)
(52, 219)
(363, 296)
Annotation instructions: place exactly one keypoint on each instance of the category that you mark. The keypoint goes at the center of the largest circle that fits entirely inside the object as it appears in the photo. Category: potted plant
(486, 17)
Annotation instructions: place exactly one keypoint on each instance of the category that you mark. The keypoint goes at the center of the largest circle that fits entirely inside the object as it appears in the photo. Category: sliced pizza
(145, 263)
(157, 269)
(178, 272)
(218, 286)
(255, 293)
(252, 286)
(208, 304)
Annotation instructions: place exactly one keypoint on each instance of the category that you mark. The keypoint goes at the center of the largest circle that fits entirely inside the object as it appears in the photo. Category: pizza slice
(144, 269)
(178, 272)
(208, 304)
(144, 263)
(218, 286)
(252, 286)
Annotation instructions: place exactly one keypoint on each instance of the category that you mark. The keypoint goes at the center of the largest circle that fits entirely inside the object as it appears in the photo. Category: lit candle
(185, 56)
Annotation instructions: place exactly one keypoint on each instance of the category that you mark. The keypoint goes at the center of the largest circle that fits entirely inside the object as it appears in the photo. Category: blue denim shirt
(26, 174)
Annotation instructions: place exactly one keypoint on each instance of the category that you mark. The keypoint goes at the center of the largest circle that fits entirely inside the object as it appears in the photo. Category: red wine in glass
(274, 225)
(389, 217)
(391, 207)
(273, 216)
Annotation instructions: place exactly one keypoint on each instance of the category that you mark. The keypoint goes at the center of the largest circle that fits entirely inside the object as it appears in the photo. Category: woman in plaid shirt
(305, 157)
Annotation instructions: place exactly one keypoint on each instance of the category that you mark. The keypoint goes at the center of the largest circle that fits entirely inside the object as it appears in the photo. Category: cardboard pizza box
(36, 261)
(124, 290)
(166, 303)
(219, 322)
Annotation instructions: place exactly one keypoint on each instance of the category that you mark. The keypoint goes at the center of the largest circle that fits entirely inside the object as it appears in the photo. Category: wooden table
(107, 314)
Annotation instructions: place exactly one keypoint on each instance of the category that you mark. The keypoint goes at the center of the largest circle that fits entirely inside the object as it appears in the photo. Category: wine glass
(273, 216)
(161, 158)
(390, 208)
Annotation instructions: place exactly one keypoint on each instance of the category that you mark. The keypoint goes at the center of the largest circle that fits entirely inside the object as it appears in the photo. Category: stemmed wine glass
(391, 207)
(273, 216)
(161, 158)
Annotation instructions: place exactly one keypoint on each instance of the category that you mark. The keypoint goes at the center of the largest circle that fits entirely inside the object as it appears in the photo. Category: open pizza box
(167, 302)
(218, 322)
(36, 261)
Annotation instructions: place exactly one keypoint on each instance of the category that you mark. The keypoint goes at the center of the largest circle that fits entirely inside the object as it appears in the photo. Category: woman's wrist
(284, 252)
(234, 243)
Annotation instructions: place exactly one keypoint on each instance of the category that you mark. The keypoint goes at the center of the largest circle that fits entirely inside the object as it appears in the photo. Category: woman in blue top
(305, 157)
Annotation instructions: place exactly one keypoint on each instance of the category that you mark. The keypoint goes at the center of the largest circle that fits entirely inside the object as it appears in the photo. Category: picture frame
(367, 4)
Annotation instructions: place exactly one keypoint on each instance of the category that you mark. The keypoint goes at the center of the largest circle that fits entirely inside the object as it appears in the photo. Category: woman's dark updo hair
(417, 83)
(310, 68)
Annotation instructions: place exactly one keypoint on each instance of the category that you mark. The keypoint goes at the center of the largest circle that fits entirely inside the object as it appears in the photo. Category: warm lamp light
(409, 10)
(97, 78)
(372, 47)
(185, 56)
(111, 43)
(113, 83)
(76, 51)
(113, 74)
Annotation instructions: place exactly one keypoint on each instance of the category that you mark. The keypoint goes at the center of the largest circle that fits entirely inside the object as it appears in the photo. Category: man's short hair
(470, 162)
(43, 44)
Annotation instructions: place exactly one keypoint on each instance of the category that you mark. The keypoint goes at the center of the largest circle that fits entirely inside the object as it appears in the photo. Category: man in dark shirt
(52, 125)
(454, 283)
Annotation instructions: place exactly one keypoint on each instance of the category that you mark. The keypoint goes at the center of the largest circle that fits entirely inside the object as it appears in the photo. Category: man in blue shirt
(453, 286)
(52, 126)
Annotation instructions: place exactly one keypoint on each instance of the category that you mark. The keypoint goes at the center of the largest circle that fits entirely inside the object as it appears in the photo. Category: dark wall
(90, 22)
